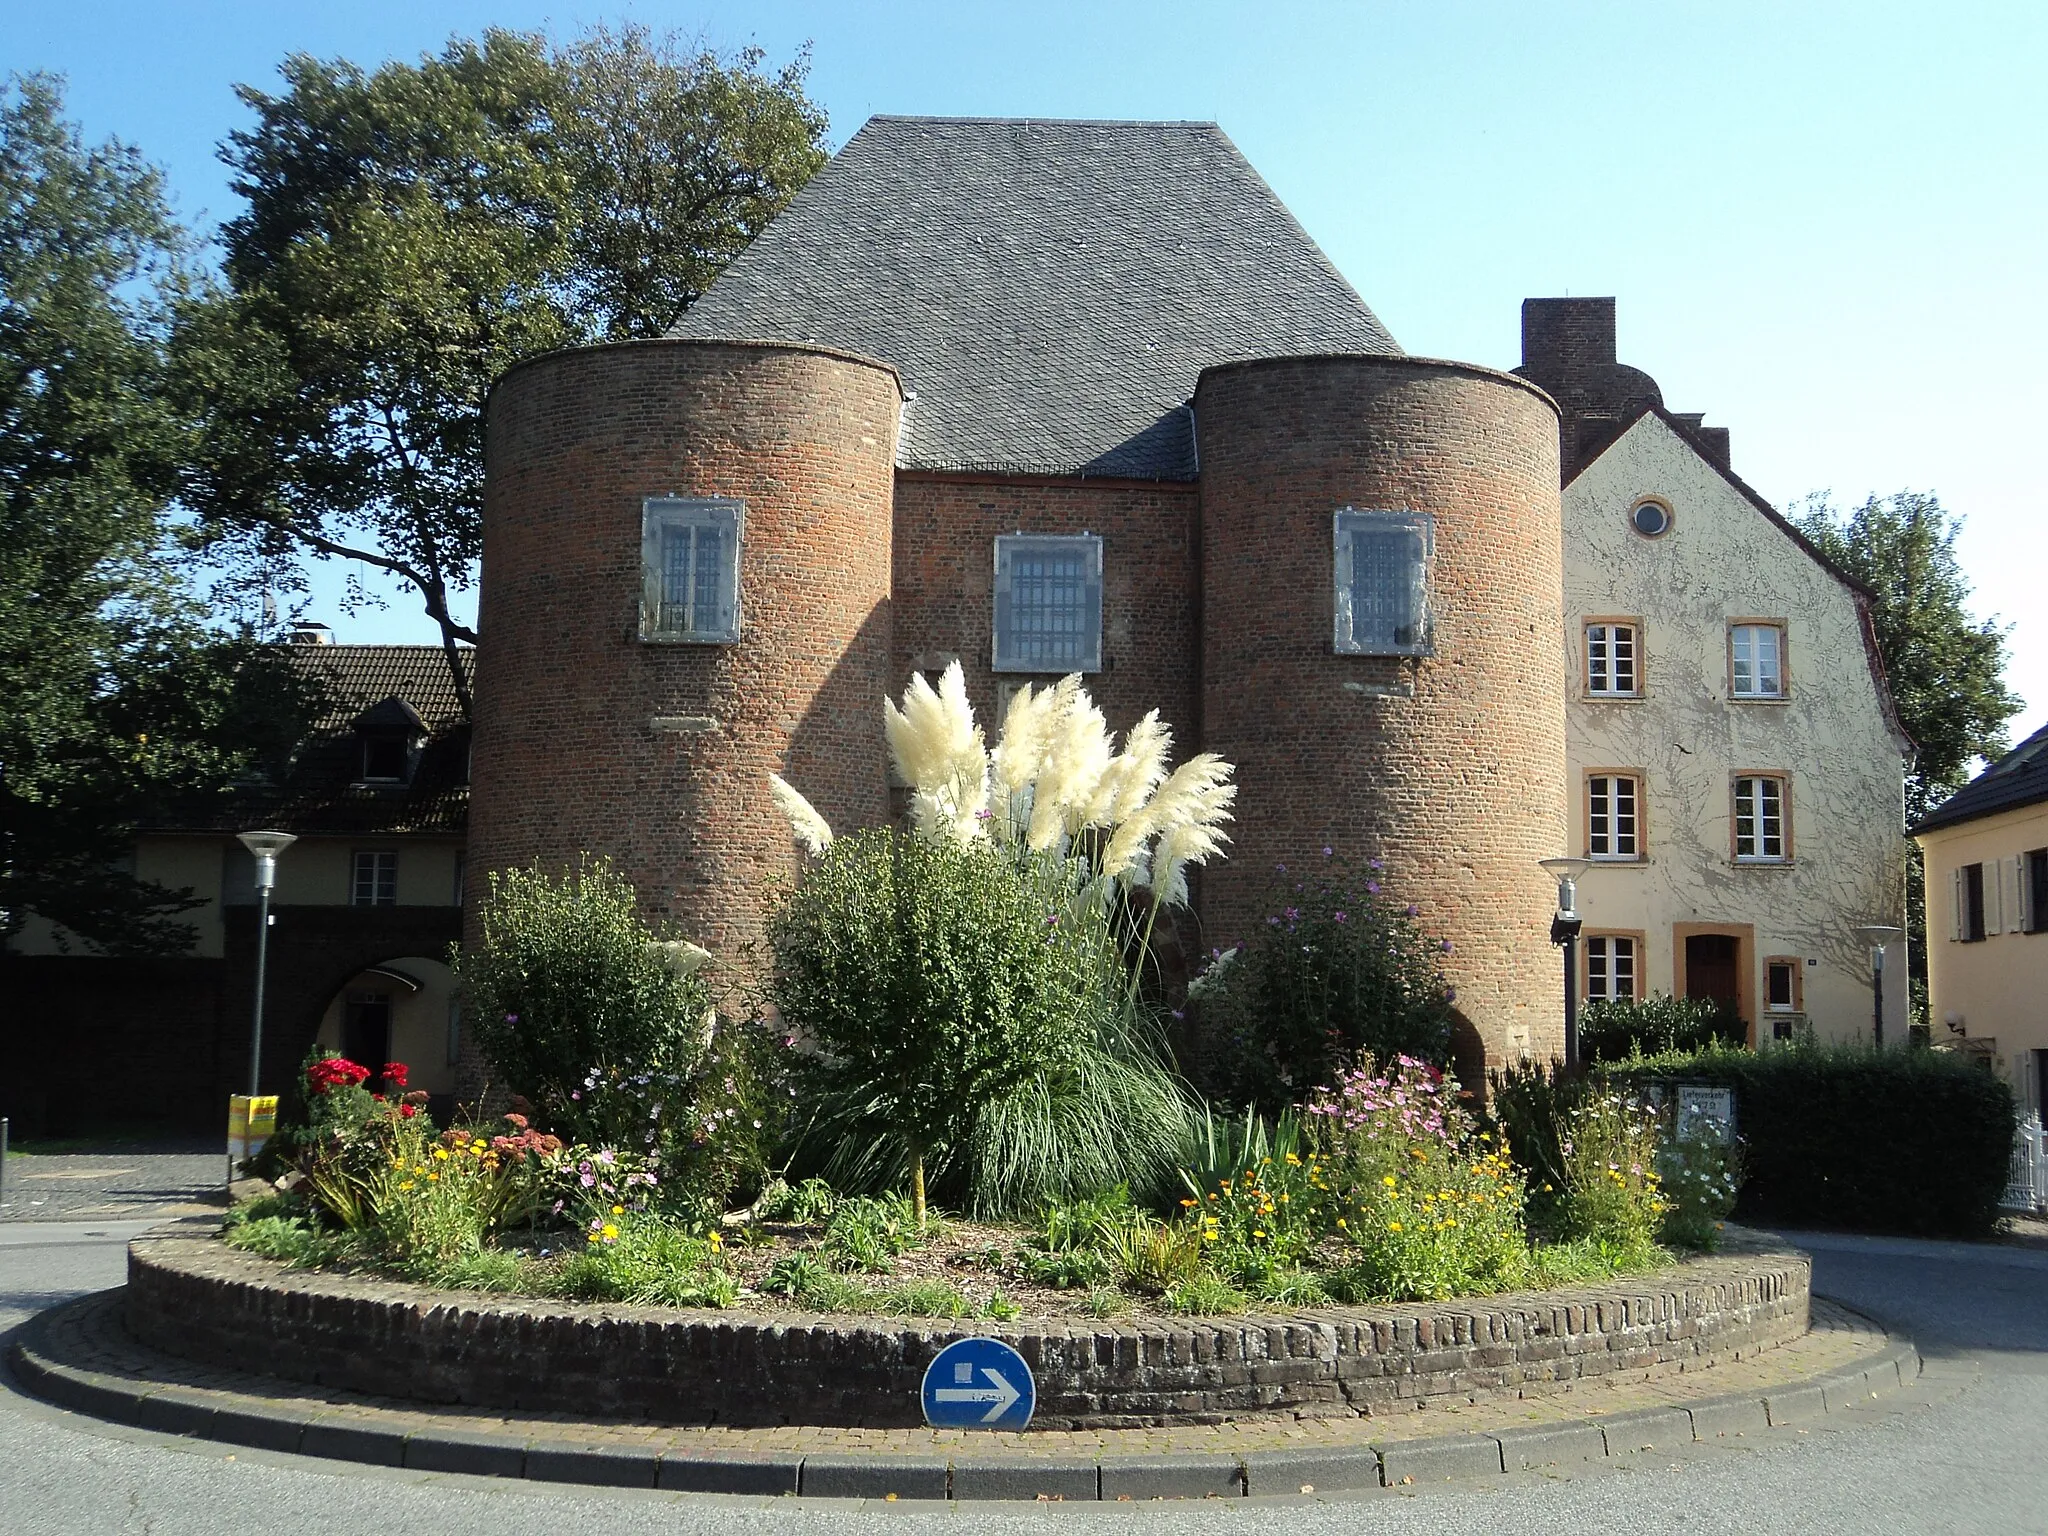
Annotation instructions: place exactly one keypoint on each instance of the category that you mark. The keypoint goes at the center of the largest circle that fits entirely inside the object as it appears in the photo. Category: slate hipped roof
(2020, 778)
(1048, 291)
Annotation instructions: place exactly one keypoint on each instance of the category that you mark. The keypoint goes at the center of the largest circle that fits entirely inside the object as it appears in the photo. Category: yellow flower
(590, 1237)
(610, 1230)
(1257, 1233)
(1388, 1181)
(1342, 1222)
(1293, 1161)
(618, 1210)
(441, 1154)
(433, 1178)
(1188, 1204)
(407, 1184)
(1393, 1226)
(1418, 1154)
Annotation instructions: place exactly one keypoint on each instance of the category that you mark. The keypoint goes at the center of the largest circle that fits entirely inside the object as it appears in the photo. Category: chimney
(311, 632)
(1566, 336)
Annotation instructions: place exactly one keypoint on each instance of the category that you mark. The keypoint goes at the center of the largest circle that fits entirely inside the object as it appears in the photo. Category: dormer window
(389, 736)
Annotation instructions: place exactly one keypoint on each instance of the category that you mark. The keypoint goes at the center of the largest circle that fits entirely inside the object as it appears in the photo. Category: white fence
(2026, 1182)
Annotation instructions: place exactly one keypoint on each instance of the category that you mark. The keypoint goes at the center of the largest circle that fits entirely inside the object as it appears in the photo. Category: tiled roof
(1048, 291)
(2019, 778)
(323, 792)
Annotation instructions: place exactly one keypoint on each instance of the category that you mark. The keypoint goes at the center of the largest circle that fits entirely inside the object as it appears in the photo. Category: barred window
(1610, 967)
(1759, 661)
(690, 567)
(1611, 660)
(1612, 825)
(1383, 561)
(375, 882)
(1760, 820)
(1048, 593)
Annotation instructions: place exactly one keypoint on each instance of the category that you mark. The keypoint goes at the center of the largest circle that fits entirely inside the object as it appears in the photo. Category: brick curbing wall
(195, 1297)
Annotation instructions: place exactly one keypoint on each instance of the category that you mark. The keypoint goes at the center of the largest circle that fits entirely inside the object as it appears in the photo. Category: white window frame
(1791, 969)
(697, 617)
(1025, 648)
(1608, 957)
(1614, 818)
(1347, 525)
(1612, 651)
(1747, 659)
(1751, 804)
(374, 870)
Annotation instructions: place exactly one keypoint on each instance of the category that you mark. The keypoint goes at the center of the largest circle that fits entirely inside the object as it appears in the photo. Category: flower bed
(195, 1297)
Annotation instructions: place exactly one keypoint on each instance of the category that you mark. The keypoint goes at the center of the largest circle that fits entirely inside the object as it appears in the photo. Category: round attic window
(1651, 519)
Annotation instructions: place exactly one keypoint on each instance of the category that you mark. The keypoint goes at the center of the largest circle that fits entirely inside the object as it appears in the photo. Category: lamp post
(1875, 936)
(1564, 931)
(266, 846)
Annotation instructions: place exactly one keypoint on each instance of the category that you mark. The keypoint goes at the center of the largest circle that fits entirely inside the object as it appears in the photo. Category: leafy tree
(1946, 669)
(414, 231)
(121, 703)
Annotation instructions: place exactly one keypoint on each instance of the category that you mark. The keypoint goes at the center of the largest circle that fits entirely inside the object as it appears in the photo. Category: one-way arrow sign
(978, 1384)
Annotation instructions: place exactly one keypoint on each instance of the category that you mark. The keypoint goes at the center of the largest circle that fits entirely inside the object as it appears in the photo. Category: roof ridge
(1049, 122)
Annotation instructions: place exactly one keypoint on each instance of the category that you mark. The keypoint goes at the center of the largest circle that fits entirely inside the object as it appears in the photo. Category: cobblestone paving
(92, 1338)
(115, 1185)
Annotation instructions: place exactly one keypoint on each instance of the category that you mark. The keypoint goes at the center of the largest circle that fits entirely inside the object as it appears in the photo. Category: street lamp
(1874, 937)
(266, 846)
(1564, 930)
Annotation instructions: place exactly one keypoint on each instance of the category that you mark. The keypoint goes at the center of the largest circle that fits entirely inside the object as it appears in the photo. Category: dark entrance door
(366, 1030)
(1711, 961)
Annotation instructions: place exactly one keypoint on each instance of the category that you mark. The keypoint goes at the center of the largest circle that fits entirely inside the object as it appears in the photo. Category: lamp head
(1876, 935)
(266, 846)
(1566, 872)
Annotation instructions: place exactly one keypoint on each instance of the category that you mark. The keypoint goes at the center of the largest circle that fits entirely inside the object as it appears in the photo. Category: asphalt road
(1966, 1452)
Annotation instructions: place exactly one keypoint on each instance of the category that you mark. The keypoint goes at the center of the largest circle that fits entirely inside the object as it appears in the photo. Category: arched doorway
(400, 1009)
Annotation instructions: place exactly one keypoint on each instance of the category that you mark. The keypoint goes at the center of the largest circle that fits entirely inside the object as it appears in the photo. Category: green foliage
(1071, 1226)
(124, 704)
(578, 1009)
(1152, 1257)
(968, 1016)
(1701, 1180)
(1334, 968)
(1529, 1106)
(864, 1232)
(1615, 1029)
(1910, 1141)
(292, 1238)
(1608, 1146)
(1203, 1295)
(413, 231)
(650, 1263)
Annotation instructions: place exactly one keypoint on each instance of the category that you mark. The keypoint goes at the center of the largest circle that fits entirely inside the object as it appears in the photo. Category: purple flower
(1176, 1013)
(587, 1180)
(1414, 910)
(1375, 864)
(1280, 868)
(1272, 922)
(1372, 887)
(511, 1018)
(1446, 946)
(575, 1093)
(1327, 850)
(1340, 917)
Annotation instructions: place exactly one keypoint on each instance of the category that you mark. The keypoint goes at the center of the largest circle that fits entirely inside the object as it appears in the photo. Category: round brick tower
(1449, 765)
(593, 734)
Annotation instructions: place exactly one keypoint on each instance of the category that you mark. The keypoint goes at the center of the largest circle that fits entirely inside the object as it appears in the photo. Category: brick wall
(1451, 769)
(587, 738)
(197, 1298)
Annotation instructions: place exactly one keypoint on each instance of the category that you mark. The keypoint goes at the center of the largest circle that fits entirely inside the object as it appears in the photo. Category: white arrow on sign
(999, 1396)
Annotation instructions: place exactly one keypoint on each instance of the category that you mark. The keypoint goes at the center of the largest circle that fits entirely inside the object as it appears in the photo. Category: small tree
(1334, 969)
(571, 993)
(933, 979)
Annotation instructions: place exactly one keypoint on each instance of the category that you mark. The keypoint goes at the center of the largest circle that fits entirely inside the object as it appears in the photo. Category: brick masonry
(192, 1297)
(1451, 767)
(568, 753)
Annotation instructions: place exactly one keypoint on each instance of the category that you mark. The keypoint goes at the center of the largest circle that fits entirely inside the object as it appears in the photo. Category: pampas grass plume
(811, 829)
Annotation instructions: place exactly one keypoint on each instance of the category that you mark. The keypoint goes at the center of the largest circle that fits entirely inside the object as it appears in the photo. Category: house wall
(1995, 990)
(1723, 560)
(421, 1033)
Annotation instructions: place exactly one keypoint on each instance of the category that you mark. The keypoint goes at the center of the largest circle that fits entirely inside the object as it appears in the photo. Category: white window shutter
(1955, 904)
(1994, 896)
(2016, 893)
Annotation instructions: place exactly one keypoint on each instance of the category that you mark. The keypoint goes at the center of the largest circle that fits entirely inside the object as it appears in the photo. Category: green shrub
(1911, 1141)
(1335, 968)
(969, 1012)
(1702, 1178)
(574, 1002)
(1152, 1257)
(866, 1233)
(1528, 1108)
(1615, 1029)
(650, 1262)
(1612, 1189)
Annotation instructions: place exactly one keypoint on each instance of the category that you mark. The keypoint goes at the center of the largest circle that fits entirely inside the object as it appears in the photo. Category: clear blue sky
(1824, 223)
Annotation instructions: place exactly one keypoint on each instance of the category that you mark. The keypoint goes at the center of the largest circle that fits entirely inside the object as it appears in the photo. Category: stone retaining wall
(195, 1297)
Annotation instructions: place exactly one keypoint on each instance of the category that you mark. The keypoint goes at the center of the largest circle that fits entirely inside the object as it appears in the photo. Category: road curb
(1462, 1458)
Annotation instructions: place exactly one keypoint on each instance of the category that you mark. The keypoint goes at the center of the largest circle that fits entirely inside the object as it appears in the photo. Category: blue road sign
(978, 1384)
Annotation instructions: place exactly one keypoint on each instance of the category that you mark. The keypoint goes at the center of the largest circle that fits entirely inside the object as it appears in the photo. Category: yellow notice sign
(251, 1122)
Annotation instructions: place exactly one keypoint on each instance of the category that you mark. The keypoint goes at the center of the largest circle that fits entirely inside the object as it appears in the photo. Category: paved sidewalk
(118, 1184)
(82, 1357)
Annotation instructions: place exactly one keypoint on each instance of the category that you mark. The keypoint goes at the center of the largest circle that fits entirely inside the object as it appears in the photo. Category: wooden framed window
(1048, 593)
(1613, 967)
(1614, 823)
(690, 569)
(2034, 891)
(1613, 659)
(1968, 913)
(1763, 819)
(1756, 660)
(1382, 582)
(1784, 986)
(374, 879)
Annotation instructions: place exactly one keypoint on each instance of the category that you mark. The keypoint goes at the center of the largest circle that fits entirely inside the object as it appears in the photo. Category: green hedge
(1912, 1141)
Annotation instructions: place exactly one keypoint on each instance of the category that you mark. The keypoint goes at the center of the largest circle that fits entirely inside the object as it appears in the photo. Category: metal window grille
(690, 551)
(1048, 603)
(1759, 819)
(1611, 659)
(1611, 817)
(1758, 674)
(1382, 598)
(376, 880)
